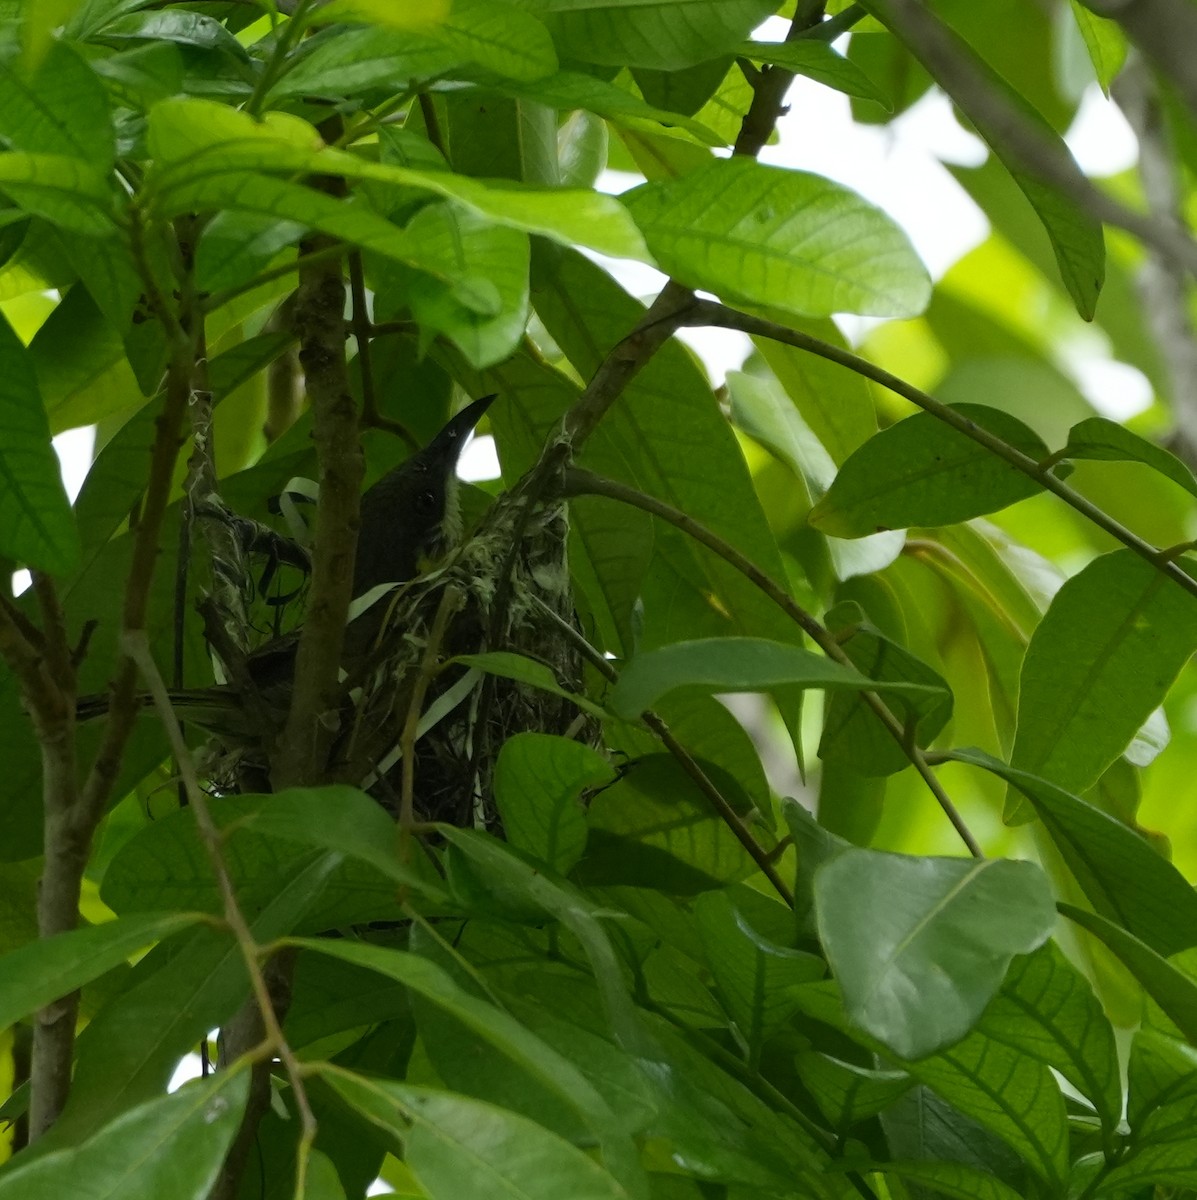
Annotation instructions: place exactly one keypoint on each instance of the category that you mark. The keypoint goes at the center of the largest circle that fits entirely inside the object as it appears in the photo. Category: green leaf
(735, 665)
(818, 61)
(1121, 874)
(852, 734)
(846, 1093)
(573, 90)
(1100, 662)
(523, 669)
(998, 1087)
(457, 1146)
(345, 62)
(415, 14)
(37, 527)
(179, 26)
(1048, 1010)
(141, 77)
(66, 191)
(175, 995)
(173, 1145)
(785, 239)
(629, 33)
(920, 945)
(472, 246)
(1105, 42)
(35, 974)
(1169, 987)
(948, 1179)
(754, 975)
(1162, 1087)
(1155, 1169)
(501, 37)
(921, 471)
(1107, 441)
(60, 109)
(540, 781)
(506, 1035)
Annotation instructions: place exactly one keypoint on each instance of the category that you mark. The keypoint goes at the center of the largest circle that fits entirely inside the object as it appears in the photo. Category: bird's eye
(425, 502)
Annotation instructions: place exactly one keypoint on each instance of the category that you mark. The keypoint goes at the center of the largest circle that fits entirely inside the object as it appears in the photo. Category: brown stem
(707, 312)
(319, 318)
(584, 483)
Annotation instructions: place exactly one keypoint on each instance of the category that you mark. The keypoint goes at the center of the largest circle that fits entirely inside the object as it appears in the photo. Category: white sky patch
(1100, 139)
(479, 461)
(1116, 389)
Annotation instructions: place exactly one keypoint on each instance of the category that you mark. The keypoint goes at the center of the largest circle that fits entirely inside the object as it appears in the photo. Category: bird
(410, 515)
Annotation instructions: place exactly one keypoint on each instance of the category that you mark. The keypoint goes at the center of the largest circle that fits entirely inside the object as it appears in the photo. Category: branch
(954, 67)
(709, 312)
(1162, 284)
(685, 760)
(584, 483)
(319, 319)
(137, 647)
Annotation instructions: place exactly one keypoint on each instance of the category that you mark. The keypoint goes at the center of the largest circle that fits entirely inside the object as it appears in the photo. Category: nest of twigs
(506, 588)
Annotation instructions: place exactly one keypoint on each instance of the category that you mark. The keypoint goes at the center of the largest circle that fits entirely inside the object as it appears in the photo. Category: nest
(506, 588)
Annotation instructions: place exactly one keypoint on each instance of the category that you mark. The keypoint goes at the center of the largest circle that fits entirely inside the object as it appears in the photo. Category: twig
(136, 646)
(685, 760)
(707, 312)
(955, 68)
(584, 483)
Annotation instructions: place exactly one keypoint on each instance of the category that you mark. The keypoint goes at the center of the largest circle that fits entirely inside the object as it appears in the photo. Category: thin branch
(137, 647)
(685, 760)
(707, 312)
(584, 483)
(956, 69)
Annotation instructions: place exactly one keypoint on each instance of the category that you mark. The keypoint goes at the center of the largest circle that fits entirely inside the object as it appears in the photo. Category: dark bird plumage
(408, 515)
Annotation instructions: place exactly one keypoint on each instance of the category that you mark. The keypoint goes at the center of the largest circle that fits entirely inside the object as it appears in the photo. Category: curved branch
(709, 312)
(584, 483)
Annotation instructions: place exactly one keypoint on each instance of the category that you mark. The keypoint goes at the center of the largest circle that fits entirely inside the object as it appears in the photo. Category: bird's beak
(446, 446)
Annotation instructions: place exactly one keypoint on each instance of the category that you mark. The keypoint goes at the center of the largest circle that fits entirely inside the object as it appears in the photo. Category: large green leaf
(173, 1145)
(1099, 663)
(737, 665)
(457, 1146)
(921, 471)
(755, 976)
(35, 974)
(67, 191)
(1120, 872)
(343, 62)
(37, 527)
(540, 781)
(629, 33)
(200, 146)
(920, 945)
(1047, 1009)
(950, 1179)
(174, 996)
(998, 1087)
(784, 239)
(60, 108)
(1106, 441)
